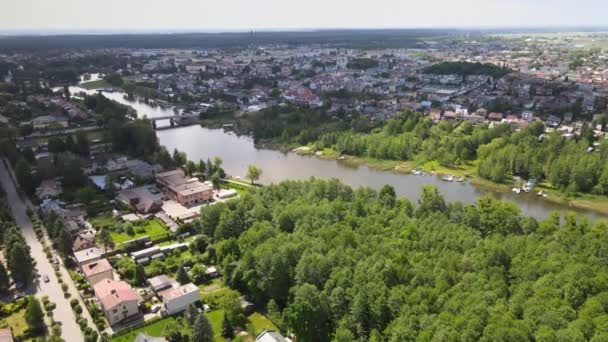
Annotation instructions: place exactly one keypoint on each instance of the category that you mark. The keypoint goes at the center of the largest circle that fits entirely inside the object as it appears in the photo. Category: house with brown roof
(49, 188)
(118, 301)
(83, 240)
(96, 271)
(495, 116)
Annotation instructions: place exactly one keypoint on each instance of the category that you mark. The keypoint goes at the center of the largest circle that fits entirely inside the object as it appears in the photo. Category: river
(239, 151)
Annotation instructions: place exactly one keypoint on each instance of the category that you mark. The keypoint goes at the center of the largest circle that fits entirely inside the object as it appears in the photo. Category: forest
(572, 165)
(330, 263)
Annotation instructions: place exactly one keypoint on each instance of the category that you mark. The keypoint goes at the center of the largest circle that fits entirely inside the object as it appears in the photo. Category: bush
(64, 287)
(74, 302)
(78, 309)
(83, 323)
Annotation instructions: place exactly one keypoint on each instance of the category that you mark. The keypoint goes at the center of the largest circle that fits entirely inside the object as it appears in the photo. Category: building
(141, 199)
(84, 240)
(270, 336)
(183, 190)
(96, 271)
(118, 301)
(162, 282)
(49, 188)
(177, 299)
(88, 255)
(6, 335)
(50, 121)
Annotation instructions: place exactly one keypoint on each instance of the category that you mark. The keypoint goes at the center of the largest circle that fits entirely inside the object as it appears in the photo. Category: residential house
(6, 335)
(88, 255)
(49, 188)
(527, 115)
(50, 121)
(177, 299)
(161, 282)
(495, 116)
(96, 271)
(270, 336)
(143, 201)
(118, 301)
(84, 240)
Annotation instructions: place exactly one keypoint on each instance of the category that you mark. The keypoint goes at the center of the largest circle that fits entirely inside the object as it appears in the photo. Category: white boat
(526, 189)
(460, 180)
(448, 178)
(516, 190)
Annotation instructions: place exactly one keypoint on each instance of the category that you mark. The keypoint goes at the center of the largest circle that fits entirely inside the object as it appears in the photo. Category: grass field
(152, 228)
(96, 84)
(16, 322)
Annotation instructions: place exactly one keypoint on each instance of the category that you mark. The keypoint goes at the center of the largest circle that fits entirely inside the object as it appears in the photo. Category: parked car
(46, 278)
(206, 308)
(155, 308)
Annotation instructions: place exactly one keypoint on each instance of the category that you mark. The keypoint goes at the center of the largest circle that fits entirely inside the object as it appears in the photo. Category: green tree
(4, 281)
(430, 201)
(308, 314)
(34, 316)
(227, 329)
(105, 237)
(23, 173)
(182, 276)
(202, 330)
(139, 276)
(19, 262)
(253, 173)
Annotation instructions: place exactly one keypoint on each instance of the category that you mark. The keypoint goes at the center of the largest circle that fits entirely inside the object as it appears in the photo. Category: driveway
(70, 330)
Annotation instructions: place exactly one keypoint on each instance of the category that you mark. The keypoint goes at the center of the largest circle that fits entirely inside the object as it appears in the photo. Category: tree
(182, 276)
(253, 173)
(4, 281)
(190, 168)
(190, 315)
(24, 176)
(430, 201)
(202, 330)
(34, 316)
(308, 314)
(139, 276)
(216, 181)
(387, 196)
(105, 238)
(82, 144)
(20, 262)
(227, 329)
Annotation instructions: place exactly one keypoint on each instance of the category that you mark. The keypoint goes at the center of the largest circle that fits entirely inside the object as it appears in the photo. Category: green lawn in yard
(261, 323)
(16, 322)
(156, 328)
(152, 228)
(96, 84)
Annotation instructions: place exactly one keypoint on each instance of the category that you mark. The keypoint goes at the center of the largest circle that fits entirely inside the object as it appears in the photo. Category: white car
(206, 308)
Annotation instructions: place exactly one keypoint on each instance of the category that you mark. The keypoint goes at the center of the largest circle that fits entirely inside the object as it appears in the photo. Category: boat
(516, 190)
(448, 178)
(460, 180)
(526, 188)
(416, 172)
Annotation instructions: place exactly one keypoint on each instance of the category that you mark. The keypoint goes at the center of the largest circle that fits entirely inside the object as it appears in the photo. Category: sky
(87, 16)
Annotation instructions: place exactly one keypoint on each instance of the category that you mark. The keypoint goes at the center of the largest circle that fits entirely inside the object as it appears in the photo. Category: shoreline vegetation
(581, 201)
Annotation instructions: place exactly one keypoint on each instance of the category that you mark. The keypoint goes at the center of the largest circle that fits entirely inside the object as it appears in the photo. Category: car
(206, 308)
(46, 278)
(155, 308)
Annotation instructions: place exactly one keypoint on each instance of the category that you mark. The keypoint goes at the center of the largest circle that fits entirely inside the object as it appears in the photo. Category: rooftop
(96, 267)
(113, 292)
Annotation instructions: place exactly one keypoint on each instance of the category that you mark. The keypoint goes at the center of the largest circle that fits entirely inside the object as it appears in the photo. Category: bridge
(182, 120)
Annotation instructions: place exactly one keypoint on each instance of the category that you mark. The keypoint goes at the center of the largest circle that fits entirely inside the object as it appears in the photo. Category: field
(152, 228)
(16, 322)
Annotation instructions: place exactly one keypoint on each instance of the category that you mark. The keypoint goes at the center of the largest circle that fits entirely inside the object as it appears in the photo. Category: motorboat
(516, 190)
(448, 178)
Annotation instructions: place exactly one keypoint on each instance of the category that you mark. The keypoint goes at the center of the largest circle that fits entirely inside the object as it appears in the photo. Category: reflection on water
(239, 151)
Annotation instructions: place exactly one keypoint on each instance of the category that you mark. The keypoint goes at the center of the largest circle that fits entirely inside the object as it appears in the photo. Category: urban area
(106, 234)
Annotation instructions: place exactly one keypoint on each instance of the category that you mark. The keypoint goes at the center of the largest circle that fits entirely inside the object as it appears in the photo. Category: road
(70, 330)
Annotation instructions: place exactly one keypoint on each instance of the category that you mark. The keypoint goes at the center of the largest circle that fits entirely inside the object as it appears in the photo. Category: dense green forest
(466, 69)
(414, 136)
(573, 165)
(332, 263)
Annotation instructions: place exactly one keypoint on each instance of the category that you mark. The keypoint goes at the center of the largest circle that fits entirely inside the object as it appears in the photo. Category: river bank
(469, 172)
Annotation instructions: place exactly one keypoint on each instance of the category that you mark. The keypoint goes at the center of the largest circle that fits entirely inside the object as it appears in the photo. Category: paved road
(63, 313)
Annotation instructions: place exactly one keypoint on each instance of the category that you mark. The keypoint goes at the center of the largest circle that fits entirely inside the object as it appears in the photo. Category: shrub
(73, 302)
(64, 287)
(78, 309)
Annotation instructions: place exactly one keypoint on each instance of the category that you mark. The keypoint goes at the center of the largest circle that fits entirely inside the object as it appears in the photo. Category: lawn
(261, 323)
(96, 84)
(152, 228)
(16, 322)
(104, 220)
(156, 328)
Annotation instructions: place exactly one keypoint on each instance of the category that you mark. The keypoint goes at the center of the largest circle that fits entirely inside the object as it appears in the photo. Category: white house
(177, 299)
